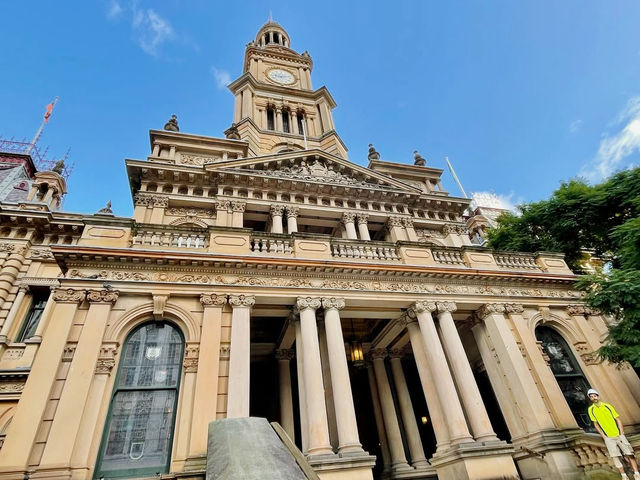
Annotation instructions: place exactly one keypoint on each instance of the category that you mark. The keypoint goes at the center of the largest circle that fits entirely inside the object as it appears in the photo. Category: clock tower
(276, 108)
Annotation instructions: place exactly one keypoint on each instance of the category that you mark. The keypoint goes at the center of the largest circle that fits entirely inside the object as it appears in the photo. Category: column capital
(292, 212)
(212, 300)
(23, 288)
(242, 301)
(363, 218)
(302, 303)
(348, 217)
(394, 222)
(238, 206)
(68, 295)
(223, 205)
(489, 308)
(276, 210)
(407, 222)
(446, 307)
(406, 318)
(396, 353)
(378, 353)
(160, 201)
(332, 302)
(285, 354)
(514, 308)
(102, 296)
(424, 306)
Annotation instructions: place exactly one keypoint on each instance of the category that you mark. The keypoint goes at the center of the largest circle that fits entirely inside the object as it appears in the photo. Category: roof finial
(270, 17)
(418, 159)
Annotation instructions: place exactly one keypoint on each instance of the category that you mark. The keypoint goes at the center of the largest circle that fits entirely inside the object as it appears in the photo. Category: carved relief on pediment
(198, 160)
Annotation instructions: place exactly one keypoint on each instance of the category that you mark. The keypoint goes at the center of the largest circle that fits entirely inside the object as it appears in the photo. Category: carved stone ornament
(363, 219)
(225, 352)
(160, 201)
(332, 302)
(396, 353)
(406, 318)
(68, 352)
(576, 309)
(515, 308)
(213, 300)
(238, 206)
(68, 295)
(190, 361)
(11, 387)
(449, 229)
(394, 222)
(190, 212)
(348, 217)
(446, 307)
(103, 296)
(318, 171)
(285, 354)
(276, 210)
(7, 247)
(424, 306)
(242, 300)
(292, 212)
(159, 304)
(106, 360)
(143, 200)
(302, 303)
(222, 205)
(407, 222)
(187, 159)
(41, 253)
(378, 353)
(490, 308)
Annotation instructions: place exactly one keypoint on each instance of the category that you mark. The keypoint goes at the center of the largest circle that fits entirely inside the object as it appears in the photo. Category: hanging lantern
(357, 356)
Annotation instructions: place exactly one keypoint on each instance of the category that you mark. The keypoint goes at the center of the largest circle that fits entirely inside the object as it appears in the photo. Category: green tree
(604, 219)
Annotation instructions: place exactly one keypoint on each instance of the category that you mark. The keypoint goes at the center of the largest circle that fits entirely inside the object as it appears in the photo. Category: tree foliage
(604, 219)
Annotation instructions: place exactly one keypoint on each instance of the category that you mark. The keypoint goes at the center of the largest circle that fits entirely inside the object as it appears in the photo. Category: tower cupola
(272, 34)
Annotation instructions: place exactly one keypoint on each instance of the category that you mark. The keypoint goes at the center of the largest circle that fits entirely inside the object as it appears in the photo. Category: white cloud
(615, 150)
(575, 126)
(222, 77)
(115, 10)
(494, 200)
(151, 30)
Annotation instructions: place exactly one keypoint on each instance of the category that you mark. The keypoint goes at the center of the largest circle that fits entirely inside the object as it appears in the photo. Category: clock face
(281, 76)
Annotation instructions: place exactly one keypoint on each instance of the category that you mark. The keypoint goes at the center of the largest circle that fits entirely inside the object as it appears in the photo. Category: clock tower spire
(276, 108)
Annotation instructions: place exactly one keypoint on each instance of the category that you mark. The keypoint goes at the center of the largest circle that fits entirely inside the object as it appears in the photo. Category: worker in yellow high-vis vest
(608, 424)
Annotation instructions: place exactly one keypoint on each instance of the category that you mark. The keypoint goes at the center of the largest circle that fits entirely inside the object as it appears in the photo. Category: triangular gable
(312, 165)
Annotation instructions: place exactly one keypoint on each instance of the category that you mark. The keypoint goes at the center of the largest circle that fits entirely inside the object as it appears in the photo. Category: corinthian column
(459, 432)
(342, 397)
(239, 356)
(471, 399)
(276, 218)
(284, 357)
(318, 441)
(347, 220)
(362, 226)
(292, 219)
(396, 449)
(418, 460)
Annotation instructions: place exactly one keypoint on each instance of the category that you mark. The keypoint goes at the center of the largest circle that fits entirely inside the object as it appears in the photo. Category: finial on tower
(418, 159)
(58, 167)
(106, 210)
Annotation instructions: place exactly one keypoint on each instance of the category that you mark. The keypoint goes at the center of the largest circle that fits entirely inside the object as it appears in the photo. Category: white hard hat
(592, 390)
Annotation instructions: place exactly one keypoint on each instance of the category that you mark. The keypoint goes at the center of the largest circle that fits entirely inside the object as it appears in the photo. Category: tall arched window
(271, 118)
(568, 374)
(139, 428)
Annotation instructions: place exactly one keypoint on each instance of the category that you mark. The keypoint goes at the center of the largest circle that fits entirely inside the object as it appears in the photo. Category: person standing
(608, 424)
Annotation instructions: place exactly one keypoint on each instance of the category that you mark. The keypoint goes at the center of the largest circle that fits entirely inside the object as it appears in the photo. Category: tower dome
(272, 34)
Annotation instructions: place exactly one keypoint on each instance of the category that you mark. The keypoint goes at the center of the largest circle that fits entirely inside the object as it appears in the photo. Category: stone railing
(364, 250)
(516, 261)
(448, 257)
(170, 239)
(270, 243)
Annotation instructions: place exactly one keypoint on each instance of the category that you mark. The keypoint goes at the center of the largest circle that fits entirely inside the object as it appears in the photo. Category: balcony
(170, 239)
(356, 249)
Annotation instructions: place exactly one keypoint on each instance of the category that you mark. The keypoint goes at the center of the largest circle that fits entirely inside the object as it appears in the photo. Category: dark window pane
(33, 317)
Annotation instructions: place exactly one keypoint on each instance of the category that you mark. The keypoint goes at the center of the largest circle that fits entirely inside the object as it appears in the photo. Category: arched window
(271, 118)
(300, 120)
(285, 120)
(139, 428)
(568, 374)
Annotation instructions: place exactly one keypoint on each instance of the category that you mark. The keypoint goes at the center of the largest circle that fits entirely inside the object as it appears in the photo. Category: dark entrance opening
(491, 404)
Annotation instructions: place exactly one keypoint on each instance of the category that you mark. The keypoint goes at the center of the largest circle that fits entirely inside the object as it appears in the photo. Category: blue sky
(519, 95)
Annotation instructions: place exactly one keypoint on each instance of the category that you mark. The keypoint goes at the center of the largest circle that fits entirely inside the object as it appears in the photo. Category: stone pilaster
(240, 356)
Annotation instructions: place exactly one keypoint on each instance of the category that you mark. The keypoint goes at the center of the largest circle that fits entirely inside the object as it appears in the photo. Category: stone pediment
(319, 167)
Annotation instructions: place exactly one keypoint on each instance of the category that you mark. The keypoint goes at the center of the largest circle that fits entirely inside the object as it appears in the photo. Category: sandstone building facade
(265, 274)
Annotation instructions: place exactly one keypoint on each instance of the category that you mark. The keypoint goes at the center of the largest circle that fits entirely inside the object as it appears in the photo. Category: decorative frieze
(449, 229)
(150, 200)
(11, 387)
(41, 254)
(190, 212)
(197, 160)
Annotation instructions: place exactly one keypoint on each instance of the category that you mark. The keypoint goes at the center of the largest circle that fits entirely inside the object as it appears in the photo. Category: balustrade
(516, 261)
(448, 257)
(364, 251)
(271, 244)
(170, 239)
